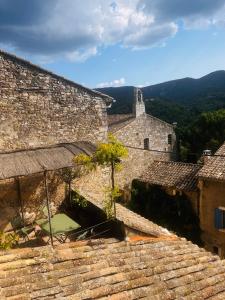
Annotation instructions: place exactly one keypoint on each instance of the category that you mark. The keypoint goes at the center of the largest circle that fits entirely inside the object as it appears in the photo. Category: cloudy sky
(123, 42)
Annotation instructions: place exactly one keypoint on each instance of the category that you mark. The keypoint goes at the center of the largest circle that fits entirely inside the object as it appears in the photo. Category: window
(146, 144)
(215, 250)
(170, 139)
(220, 218)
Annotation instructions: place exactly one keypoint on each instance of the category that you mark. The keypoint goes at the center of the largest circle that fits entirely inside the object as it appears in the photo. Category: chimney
(206, 156)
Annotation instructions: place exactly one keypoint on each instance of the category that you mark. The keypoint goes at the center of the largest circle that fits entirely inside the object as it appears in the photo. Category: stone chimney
(138, 105)
(206, 155)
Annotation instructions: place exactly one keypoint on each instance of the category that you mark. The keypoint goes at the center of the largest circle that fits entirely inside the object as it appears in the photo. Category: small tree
(107, 155)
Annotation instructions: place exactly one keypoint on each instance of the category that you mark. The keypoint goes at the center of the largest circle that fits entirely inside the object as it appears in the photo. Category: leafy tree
(205, 132)
(107, 155)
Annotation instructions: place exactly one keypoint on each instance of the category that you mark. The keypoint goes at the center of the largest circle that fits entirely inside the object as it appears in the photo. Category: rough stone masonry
(39, 108)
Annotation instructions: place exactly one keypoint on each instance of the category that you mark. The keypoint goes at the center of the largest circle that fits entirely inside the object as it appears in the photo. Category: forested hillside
(197, 105)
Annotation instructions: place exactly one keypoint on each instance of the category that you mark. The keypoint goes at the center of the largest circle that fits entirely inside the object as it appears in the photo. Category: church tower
(138, 105)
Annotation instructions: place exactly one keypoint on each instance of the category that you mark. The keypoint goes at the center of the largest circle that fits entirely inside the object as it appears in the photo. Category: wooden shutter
(218, 218)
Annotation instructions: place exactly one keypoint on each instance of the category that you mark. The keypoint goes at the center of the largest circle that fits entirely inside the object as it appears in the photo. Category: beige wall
(212, 196)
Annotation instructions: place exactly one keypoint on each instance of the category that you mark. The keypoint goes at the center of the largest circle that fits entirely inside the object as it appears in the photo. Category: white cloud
(114, 83)
(76, 30)
(81, 56)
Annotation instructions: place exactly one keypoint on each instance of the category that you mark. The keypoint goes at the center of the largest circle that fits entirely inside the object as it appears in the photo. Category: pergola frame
(24, 163)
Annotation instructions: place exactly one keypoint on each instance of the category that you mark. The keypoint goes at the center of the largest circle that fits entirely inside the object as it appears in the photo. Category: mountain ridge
(166, 99)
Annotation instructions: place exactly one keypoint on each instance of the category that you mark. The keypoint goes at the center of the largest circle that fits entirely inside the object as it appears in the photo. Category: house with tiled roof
(176, 178)
(204, 186)
(212, 201)
(146, 137)
(163, 267)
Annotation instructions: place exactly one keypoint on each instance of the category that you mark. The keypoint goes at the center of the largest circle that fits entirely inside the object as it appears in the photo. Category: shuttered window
(219, 218)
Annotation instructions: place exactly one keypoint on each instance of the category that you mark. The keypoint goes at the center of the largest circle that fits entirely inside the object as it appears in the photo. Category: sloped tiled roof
(118, 121)
(214, 168)
(159, 268)
(182, 176)
(31, 161)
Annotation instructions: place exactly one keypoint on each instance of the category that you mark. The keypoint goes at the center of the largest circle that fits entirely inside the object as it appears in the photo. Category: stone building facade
(39, 108)
(146, 137)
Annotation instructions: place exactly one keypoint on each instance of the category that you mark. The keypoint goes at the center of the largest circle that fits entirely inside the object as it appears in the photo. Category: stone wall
(92, 186)
(133, 136)
(39, 108)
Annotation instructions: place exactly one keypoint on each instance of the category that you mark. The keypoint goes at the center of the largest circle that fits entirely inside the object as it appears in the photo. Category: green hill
(176, 100)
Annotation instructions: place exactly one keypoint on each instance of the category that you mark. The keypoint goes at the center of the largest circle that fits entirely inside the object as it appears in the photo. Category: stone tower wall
(39, 108)
(138, 105)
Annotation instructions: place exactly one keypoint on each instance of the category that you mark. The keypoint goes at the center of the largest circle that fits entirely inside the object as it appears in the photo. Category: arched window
(170, 139)
(146, 144)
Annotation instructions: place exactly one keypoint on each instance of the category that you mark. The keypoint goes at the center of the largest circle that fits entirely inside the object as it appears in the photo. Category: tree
(107, 155)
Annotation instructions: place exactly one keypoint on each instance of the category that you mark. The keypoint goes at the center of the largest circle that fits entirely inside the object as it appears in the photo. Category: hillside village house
(176, 179)
(204, 186)
(212, 201)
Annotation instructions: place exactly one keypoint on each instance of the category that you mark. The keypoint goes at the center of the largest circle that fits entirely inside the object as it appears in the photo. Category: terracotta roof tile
(214, 168)
(159, 268)
(179, 175)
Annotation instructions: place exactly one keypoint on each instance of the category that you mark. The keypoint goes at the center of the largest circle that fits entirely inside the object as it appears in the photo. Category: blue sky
(123, 42)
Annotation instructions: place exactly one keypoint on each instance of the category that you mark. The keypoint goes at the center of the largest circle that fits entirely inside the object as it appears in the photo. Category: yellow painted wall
(212, 196)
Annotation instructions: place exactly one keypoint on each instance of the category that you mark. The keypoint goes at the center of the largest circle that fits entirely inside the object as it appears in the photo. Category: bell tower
(138, 105)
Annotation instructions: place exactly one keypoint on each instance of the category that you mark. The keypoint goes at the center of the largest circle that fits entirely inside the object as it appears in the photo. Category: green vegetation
(8, 240)
(207, 131)
(197, 105)
(107, 155)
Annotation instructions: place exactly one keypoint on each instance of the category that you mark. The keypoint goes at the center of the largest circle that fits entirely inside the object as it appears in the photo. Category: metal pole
(113, 202)
(48, 206)
(20, 198)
